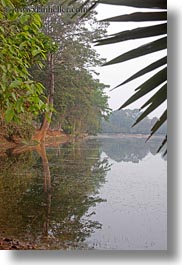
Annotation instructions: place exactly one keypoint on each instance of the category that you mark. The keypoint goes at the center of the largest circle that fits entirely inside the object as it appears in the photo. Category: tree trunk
(41, 134)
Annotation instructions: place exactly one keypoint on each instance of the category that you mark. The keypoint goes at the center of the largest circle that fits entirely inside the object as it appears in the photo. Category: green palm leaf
(157, 4)
(138, 17)
(161, 76)
(148, 48)
(135, 34)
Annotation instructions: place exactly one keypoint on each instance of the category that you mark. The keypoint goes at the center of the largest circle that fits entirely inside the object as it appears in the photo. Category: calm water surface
(102, 193)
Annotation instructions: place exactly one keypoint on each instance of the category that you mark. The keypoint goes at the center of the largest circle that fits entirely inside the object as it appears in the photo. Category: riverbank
(11, 244)
(52, 139)
(55, 138)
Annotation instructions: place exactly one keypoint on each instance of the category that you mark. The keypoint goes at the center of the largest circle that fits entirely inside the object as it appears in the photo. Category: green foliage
(79, 99)
(22, 45)
(80, 107)
(12, 130)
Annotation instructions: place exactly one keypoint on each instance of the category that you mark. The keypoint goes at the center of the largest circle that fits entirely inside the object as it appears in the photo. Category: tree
(121, 121)
(22, 45)
(159, 79)
(75, 87)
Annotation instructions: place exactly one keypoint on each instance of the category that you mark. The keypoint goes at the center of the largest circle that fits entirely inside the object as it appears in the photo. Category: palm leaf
(145, 70)
(148, 48)
(157, 45)
(138, 33)
(158, 124)
(89, 9)
(161, 94)
(147, 87)
(155, 101)
(157, 4)
(155, 30)
(138, 17)
(162, 145)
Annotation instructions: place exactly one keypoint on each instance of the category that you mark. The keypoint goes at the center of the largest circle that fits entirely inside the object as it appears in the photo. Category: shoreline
(123, 135)
(56, 140)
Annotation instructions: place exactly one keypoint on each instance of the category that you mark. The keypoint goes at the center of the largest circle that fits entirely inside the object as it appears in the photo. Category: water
(102, 193)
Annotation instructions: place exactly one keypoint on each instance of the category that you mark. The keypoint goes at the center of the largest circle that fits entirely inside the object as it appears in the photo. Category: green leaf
(138, 33)
(7, 3)
(2, 29)
(15, 84)
(35, 52)
(3, 87)
(24, 18)
(138, 17)
(9, 114)
(41, 65)
(148, 48)
(145, 70)
(14, 96)
(26, 27)
(37, 19)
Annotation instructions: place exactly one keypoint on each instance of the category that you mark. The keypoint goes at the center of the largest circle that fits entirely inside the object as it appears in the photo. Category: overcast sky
(115, 74)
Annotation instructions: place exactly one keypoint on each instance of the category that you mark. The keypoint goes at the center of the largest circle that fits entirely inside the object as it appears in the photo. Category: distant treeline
(121, 121)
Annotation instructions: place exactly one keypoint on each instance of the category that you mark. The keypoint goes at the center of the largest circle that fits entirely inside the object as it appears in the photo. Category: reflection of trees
(14, 180)
(129, 149)
(52, 212)
(47, 186)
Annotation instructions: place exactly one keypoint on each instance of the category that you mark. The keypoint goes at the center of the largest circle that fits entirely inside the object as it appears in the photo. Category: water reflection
(60, 198)
(44, 194)
(129, 149)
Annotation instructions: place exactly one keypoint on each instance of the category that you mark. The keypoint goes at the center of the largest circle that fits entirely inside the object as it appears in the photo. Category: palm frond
(145, 49)
(159, 79)
(138, 33)
(145, 70)
(154, 102)
(158, 124)
(154, 4)
(162, 145)
(157, 12)
(138, 17)
(147, 87)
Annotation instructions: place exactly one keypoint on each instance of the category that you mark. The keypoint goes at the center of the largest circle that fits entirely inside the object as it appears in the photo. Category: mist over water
(101, 193)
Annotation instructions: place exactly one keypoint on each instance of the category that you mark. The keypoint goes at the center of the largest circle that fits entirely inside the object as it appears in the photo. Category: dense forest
(47, 71)
(121, 122)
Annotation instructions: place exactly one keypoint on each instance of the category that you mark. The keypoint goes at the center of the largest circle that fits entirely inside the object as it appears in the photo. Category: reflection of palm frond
(158, 13)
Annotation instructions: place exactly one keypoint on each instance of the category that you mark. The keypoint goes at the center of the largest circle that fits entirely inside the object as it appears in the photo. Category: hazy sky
(113, 75)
